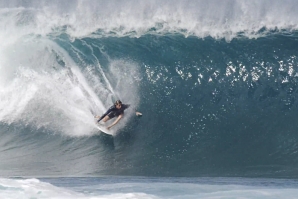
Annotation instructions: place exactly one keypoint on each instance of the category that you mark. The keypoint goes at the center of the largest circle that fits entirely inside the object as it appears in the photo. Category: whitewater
(216, 82)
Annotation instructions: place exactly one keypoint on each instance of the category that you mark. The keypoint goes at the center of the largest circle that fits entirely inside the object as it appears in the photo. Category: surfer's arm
(137, 113)
(116, 121)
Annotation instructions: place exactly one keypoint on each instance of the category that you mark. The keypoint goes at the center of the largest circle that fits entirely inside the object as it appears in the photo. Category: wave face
(216, 83)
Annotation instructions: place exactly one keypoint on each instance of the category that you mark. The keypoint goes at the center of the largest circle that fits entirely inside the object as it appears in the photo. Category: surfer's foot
(99, 123)
(138, 114)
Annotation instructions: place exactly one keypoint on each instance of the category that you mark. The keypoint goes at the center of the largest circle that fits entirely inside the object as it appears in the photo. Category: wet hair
(118, 102)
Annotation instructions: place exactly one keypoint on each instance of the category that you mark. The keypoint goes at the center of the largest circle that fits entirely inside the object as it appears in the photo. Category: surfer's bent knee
(106, 118)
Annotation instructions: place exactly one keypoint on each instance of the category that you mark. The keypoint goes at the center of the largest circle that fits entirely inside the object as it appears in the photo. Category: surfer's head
(118, 104)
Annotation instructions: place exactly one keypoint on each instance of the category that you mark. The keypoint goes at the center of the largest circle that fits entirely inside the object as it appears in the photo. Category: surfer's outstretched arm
(116, 121)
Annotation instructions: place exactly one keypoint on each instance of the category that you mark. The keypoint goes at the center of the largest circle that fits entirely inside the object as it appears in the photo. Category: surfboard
(104, 129)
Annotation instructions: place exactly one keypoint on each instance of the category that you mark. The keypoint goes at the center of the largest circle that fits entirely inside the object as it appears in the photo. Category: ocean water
(216, 82)
(147, 188)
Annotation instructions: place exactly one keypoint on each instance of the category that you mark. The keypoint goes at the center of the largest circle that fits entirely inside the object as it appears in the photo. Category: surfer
(116, 110)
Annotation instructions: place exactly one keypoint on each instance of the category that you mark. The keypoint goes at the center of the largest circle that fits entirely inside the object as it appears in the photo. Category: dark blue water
(215, 108)
(217, 88)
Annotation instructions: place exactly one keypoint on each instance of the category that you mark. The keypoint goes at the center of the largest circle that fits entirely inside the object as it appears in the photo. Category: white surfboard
(104, 129)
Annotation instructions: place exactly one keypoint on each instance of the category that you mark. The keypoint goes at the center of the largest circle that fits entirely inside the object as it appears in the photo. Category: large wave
(216, 82)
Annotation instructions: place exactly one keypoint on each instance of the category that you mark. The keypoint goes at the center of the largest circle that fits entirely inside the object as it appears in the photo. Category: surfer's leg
(106, 118)
(105, 114)
(109, 116)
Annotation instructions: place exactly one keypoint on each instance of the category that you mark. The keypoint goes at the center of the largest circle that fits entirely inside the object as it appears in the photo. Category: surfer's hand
(108, 127)
(138, 114)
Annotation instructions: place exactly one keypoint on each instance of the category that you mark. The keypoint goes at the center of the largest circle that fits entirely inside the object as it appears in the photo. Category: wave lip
(201, 18)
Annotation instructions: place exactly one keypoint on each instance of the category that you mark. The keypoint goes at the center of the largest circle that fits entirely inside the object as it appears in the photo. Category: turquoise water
(216, 83)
